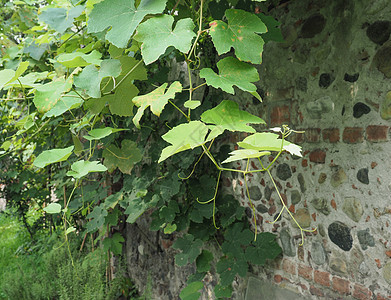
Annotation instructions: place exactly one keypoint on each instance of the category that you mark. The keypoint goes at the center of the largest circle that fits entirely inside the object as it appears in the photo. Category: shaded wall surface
(332, 79)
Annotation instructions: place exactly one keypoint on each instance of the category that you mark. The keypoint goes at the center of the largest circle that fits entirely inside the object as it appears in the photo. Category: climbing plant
(103, 129)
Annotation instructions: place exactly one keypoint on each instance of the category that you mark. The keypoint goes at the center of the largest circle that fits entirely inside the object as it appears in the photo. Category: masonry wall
(331, 79)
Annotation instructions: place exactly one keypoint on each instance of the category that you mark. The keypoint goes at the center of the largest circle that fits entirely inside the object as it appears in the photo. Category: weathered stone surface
(352, 208)
(379, 32)
(356, 257)
(302, 217)
(301, 84)
(262, 208)
(338, 265)
(338, 177)
(321, 230)
(362, 175)
(255, 193)
(365, 239)
(387, 272)
(360, 109)
(295, 197)
(284, 171)
(318, 253)
(351, 78)
(339, 234)
(268, 193)
(325, 80)
(286, 243)
(313, 26)
(302, 184)
(385, 108)
(249, 212)
(322, 178)
(290, 36)
(316, 109)
(364, 269)
(382, 59)
(321, 205)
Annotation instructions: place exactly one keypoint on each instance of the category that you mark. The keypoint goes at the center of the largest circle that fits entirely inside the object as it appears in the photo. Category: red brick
(304, 163)
(341, 286)
(361, 292)
(322, 278)
(377, 133)
(305, 271)
(280, 115)
(315, 291)
(353, 135)
(331, 135)
(312, 135)
(318, 156)
(289, 267)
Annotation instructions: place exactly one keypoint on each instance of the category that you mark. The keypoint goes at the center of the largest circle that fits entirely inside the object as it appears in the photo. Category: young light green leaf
(5, 77)
(244, 154)
(169, 228)
(20, 70)
(69, 230)
(192, 104)
(59, 18)
(52, 156)
(53, 208)
(90, 78)
(79, 59)
(66, 103)
(241, 33)
(232, 72)
(183, 137)
(191, 291)
(100, 133)
(27, 81)
(122, 17)
(123, 158)
(227, 116)
(160, 29)
(156, 100)
(82, 168)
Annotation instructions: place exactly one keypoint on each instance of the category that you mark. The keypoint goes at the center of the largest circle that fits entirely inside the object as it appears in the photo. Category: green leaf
(229, 266)
(270, 142)
(183, 137)
(123, 158)
(192, 104)
(114, 244)
(223, 291)
(228, 116)
(235, 237)
(53, 208)
(121, 102)
(97, 217)
(66, 103)
(203, 261)
(137, 206)
(52, 156)
(21, 69)
(122, 17)
(90, 78)
(169, 228)
(244, 154)
(47, 95)
(232, 72)
(273, 32)
(82, 168)
(79, 59)
(265, 247)
(167, 213)
(191, 291)
(100, 133)
(59, 18)
(69, 230)
(190, 249)
(156, 100)
(229, 210)
(241, 34)
(168, 186)
(5, 77)
(160, 29)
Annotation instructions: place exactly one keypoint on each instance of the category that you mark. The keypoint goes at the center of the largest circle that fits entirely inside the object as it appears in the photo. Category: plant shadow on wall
(107, 162)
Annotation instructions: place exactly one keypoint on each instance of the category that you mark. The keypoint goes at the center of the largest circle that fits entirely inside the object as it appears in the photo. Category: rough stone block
(341, 286)
(361, 292)
(322, 278)
(353, 135)
(377, 133)
(331, 135)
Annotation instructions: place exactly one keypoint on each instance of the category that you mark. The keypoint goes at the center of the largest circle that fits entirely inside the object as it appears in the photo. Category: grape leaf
(232, 72)
(203, 261)
(183, 137)
(270, 142)
(5, 77)
(123, 158)
(228, 116)
(235, 237)
(100, 133)
(90, 78)
(114, 243)
(190, 249)
(137, 206)
(229, 266)
(97, 217)
(52, 156)
(167, 213)
(223, 291)
(66, 102)
(47, 95)
(229, 210)
(82, 168)
(241, 34)
(53, 208)
(79, 59)
(265, 247)
(156, 99)
(59, 18)
(273, 32)
(244, 154)
(121, 102)
(122, 17)
(191, 291)
(160, 29)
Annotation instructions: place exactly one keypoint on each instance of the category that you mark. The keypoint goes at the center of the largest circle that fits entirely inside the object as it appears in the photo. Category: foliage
(81, 146)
